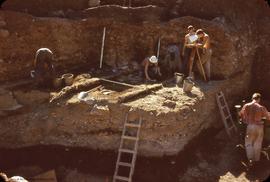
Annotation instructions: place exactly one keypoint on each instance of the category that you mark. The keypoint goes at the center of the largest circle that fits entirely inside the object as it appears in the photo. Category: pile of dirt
(171, 118)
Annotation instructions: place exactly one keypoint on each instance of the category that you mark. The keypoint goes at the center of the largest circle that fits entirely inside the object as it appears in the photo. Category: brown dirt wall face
(261, 65)
(235, 29)
(43, 7)
(76, 42)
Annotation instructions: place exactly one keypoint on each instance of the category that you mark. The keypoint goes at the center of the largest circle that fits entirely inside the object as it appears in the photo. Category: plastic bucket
(68, 78)
(57, 82)
(178, 78)
(187, 86)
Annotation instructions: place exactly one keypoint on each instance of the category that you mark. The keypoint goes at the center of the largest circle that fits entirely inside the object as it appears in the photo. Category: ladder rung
(133, 125)
(127, 151)
(125, 164)
(129, 137)
(121, 178)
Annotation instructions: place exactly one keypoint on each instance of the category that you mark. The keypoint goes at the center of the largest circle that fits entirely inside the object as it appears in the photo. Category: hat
(190, 27)
(153, 59)
(199, 31)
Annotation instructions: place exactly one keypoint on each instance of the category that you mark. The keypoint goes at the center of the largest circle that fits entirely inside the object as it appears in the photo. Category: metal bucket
(68, 78)
(57, 82)
(187, 86)
(178, 78)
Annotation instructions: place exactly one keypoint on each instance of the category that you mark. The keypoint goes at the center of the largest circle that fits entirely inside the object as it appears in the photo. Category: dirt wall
(261, 65)
(237, 29)
(78, 41)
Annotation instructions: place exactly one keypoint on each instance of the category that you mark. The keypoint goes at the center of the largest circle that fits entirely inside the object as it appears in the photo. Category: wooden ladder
(129, 152)
(225, 114)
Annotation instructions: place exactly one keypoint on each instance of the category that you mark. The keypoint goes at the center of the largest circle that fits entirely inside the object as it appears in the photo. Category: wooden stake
(102, 47)
(158, 47)
(199, 57)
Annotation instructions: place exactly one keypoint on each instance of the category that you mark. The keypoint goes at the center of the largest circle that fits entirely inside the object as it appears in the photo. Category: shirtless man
(150, 64)
(188, 51)
(205, 51)
(252, 114)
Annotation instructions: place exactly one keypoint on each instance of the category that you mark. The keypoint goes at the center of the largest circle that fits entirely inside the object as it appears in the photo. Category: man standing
(188, 51)
(43, 68)
(252, 114)
(205, 52)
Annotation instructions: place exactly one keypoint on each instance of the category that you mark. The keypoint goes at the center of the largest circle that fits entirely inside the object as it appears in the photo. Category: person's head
(256, 97)
(3, 177)
(200, 33)
(190, 29)
(153, 60)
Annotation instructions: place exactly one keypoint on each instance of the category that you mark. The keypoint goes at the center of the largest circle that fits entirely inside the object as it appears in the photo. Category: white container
(178, 78)
(187, 86)
(68, 78)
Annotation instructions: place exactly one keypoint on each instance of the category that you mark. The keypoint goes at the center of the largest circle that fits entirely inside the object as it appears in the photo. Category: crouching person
(151, 68)
(44, 71)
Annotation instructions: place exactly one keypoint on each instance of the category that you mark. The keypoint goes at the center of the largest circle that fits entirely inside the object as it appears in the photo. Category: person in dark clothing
(44, 71)
(172, 60)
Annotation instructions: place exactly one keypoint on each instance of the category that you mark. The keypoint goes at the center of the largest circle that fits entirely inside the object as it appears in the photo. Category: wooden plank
(117, 83)
(127, 151)
(132, 125)
(129, 138)
(125, 164)
(66, 91)
(102, 47)
(129, 95)
(122, 178)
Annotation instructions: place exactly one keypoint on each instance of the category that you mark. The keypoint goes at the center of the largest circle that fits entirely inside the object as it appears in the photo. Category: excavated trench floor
(218, 160)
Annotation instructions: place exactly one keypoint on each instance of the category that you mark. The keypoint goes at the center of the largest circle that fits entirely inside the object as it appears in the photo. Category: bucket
(57, 82)
(187, 86)
(178, 78)
(68, 78)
